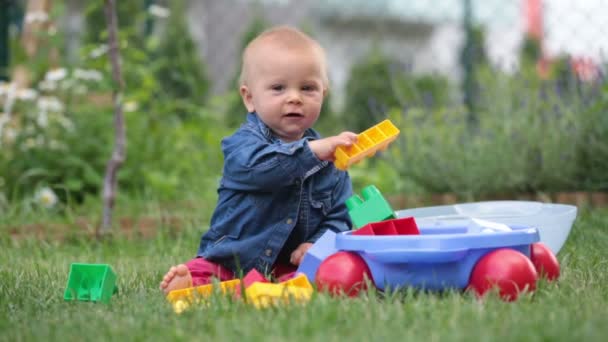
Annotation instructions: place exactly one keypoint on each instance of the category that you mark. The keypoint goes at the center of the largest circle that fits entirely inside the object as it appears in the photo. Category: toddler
(279, 191)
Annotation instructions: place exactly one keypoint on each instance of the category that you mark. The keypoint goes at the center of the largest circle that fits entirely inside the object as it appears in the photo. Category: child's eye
(277, 87)
(309, 88)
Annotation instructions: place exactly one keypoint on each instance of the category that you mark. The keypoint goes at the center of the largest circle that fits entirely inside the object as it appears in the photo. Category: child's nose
(294, 97)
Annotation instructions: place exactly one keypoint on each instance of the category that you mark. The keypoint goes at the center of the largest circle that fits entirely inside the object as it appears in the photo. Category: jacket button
(268, 252)
(289, 221)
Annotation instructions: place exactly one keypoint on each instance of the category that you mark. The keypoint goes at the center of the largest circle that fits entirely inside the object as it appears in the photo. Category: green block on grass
(91, 283)
(372, 208)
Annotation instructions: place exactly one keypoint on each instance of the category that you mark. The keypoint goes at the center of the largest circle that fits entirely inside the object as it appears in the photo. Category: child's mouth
(293, 115)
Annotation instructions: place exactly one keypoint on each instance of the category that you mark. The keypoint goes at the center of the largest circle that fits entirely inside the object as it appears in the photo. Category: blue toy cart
(441, 257)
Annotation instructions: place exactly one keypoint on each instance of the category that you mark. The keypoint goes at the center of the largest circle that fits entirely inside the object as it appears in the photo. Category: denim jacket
(272, 197)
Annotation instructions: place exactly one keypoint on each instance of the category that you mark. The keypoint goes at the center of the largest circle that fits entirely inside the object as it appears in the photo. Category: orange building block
(368, 143)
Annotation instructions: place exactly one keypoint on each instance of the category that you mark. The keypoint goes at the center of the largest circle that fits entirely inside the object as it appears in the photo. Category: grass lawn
(34, 272)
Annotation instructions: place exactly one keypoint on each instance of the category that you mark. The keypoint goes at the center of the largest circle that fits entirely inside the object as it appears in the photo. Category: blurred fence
(423, 36)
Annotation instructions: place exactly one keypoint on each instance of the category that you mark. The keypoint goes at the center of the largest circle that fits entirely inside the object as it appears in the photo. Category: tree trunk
(118, 155)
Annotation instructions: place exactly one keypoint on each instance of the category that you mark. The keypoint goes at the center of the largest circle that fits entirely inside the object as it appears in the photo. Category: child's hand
(324, 148)
(298, 254)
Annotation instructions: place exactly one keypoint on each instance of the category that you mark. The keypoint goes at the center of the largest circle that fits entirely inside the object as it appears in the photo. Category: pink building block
(254, 276)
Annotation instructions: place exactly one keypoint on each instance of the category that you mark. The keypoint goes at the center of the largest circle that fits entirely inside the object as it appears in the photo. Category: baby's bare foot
(177, 278)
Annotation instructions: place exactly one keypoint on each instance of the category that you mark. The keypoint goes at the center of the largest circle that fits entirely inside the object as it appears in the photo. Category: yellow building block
(263, 295)
(370, 141)
(182, 299)
(297, 289)
(301, 281)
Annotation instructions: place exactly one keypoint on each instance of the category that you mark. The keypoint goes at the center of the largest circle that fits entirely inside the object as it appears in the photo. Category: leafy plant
(173, 139)
(379, 83)
(531, 136)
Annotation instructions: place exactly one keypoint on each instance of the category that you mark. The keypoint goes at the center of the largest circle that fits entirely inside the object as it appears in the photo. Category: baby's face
(286, 89)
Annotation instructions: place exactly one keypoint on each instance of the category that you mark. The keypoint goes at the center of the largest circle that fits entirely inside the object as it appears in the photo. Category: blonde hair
(283, 37)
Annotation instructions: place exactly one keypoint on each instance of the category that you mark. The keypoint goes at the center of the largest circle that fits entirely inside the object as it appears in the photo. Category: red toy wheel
(343, 273)
(544, 261)
(506, 269)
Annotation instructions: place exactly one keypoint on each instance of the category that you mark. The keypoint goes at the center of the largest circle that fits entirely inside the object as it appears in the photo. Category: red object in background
(544, 261)
(533, 12)
(343, 273)
(401, 226)
(585, 68)
(509, 270)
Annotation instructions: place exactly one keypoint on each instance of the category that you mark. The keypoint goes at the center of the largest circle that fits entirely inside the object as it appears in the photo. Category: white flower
(131, 106)
(38, 16)
(68, 84)
(45, 85)
(50, 104)
(99, 51)
(46, 197)
(43, 119)
(55, 75)
(26, 94)
(88, 75)
(80, 89)
(10, 135)
(3, 88)
(8, 88)
(159, 11)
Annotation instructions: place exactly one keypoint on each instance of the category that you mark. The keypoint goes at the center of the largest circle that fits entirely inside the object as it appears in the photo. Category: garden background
(494, 99)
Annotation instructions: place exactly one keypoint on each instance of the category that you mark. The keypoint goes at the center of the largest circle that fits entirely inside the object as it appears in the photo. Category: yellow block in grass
(182, 299)
(262, 295)
(297, 289)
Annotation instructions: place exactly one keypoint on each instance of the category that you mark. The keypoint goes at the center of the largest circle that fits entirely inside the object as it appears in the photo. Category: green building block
(372, 208)
(90, 282)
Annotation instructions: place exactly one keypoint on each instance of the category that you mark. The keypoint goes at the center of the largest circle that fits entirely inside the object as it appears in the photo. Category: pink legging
(203, 271)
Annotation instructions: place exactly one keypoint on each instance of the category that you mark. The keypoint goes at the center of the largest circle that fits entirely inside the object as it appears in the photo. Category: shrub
(66, 147)
(378, 83)
(531, 135)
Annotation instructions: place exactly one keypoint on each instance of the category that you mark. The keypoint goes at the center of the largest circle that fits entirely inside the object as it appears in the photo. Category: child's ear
(247, 99)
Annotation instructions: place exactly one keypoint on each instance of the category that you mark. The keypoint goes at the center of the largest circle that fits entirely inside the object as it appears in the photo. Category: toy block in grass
(254, 276)
(321, 249)
(181, 299)
(90, 282)
(258, 290)
(263, 295)
(377, 138)
(299, 281)
(372, 208)
(401, 226)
